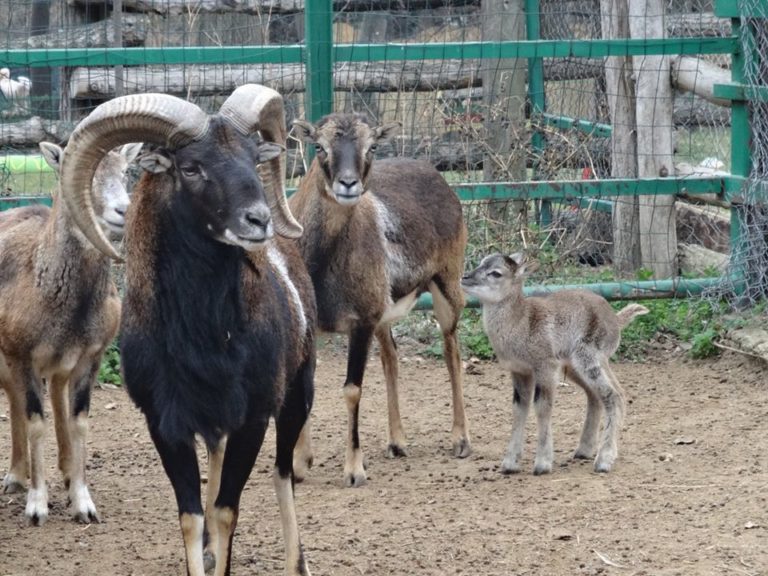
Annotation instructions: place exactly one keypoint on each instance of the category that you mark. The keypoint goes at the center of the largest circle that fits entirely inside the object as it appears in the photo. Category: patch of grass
(109, 372)
(694, 322)
(472, 337)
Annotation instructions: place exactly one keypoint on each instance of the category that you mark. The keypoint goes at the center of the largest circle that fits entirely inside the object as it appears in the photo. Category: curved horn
(155, 118)
(254, 108)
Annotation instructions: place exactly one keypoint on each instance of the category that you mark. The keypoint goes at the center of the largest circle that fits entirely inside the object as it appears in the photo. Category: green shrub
(109, 372)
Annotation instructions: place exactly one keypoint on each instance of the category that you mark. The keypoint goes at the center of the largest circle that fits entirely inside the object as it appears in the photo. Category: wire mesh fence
(592, 117)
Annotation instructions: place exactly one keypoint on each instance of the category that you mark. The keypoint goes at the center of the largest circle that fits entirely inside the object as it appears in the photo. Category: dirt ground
(688, 495)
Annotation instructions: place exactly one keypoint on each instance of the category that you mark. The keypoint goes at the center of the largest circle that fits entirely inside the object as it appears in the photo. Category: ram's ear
(156, 162)
(131, 151)
(304, 131)
(52, 153)
(269, 151)
(388, 131)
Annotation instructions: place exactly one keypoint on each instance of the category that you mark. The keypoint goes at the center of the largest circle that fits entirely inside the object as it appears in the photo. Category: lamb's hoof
(462, 448)
(12, 485)
(509, 467)
(540, 469)
(209, 561)
(602, 467)
(36, 510)
(355, 480)
(86, 517)
(582, 455)
(396, 451)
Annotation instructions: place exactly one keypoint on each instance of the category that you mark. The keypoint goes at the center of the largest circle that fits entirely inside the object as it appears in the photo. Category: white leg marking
(295, 564)
(83, 508)
(37, 497)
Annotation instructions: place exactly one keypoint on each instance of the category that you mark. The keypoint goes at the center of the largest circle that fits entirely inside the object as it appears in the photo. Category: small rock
(666, 457)
(111, 406)
(685, 440)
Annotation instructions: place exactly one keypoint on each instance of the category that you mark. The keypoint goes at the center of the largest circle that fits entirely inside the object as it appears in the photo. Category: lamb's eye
(372, 148)
(494, 274)
(319, 149)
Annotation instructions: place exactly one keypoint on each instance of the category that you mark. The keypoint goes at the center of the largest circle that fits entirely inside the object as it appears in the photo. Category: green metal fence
(320, 58)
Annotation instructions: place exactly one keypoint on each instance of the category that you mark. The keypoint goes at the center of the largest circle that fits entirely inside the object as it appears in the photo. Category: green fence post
(741, 162)
(318, 27)
(536, 94)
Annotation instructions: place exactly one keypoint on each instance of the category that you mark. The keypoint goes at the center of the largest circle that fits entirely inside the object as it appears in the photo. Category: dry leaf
(607, 560)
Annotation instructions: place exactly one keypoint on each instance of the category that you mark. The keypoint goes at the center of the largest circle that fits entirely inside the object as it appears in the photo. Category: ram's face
(218, 176)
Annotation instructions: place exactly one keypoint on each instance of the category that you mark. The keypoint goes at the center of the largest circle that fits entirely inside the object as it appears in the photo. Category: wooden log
(691, 111)
(699, 76)
(93, 35)
(698, 261)
(708, 226)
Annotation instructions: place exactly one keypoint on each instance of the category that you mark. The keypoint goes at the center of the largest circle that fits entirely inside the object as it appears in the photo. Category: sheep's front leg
(82, 507)
(211, 537)
(16, 478)
(36, 510)
(543, 397)
(359, 345)
(180, 465)
(389, 363)
(302, 454)
(521, 402)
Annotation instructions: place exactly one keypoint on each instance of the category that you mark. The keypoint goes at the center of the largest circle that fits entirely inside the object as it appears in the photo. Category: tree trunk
(653, 90)
(621, 105)
(504, 95)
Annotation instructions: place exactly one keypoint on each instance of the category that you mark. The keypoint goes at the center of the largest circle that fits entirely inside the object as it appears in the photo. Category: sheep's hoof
(583, 455)
(462, 448)
(396, 451)
(37, 507)
(11, 485)
(602, 467)
(509, 467)
(209, 561)
(355, 480)
(540, 469)
(301, 469)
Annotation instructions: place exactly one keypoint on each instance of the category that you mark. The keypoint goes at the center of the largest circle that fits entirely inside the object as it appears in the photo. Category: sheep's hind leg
(589, 432)
(359, 345)
(389, 363)
(211, 534)
(15, 479)
(448, 302)
(521, 402)
(613, 399)
(302, 453)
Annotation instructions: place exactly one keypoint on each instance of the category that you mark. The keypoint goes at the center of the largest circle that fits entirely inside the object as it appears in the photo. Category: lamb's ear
(52, 154)
(388, 131)
(304, 130)
(518, 260)
(155, 162)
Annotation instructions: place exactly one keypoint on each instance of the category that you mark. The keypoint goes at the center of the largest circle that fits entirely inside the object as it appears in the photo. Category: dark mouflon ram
(59, 310)
(376, 236)
(217, 333)
(535, 338)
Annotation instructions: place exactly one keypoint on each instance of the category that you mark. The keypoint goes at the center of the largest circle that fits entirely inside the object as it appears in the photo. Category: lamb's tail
(628, 313)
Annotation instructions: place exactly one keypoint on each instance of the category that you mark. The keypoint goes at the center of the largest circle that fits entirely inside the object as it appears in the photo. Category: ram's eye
(494, 274)
(319, 149)
(190, 170)
(372, 148)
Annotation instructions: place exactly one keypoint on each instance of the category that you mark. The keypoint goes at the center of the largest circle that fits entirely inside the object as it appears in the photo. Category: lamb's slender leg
(302, 454)
(523, 392)
(588, 441)
(180, 464)
(359, 345)
(612, 396)
(543, 397)
(389, 363)
(211, 537)
(82, 507)
(15, 479)
(36, 510)
(290, 422)
(243, 447)
(448, 301)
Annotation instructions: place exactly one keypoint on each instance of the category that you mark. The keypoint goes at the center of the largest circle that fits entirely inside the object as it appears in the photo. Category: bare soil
(688, 495)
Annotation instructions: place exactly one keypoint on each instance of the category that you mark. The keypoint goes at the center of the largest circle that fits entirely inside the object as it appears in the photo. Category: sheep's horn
(155, 118)
(252, 108)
